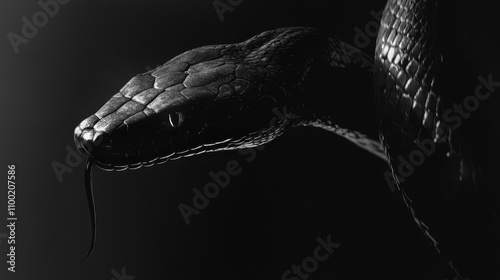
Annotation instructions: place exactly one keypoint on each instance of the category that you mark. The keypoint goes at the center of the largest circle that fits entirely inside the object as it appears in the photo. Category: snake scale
(222, 97)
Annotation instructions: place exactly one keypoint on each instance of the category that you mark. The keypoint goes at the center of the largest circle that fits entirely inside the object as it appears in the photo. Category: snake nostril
(102, 139)
(98, 138)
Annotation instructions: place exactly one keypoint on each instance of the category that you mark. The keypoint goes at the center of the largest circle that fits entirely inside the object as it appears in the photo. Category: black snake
(222, 97)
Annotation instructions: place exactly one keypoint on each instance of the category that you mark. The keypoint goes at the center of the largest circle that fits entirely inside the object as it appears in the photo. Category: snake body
(222, 97)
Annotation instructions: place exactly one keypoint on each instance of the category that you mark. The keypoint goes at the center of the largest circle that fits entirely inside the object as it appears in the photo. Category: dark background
(306, 184)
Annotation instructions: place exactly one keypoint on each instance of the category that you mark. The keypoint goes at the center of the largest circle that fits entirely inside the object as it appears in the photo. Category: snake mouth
(149, 144)
(122, 150)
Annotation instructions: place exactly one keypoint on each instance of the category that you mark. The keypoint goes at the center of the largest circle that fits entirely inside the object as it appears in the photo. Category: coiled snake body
(222, 97)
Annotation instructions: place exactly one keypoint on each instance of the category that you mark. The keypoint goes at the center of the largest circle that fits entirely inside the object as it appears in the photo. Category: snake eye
(174, 120)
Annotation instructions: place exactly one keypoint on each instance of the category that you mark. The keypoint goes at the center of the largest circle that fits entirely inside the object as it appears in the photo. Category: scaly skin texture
(420, 77)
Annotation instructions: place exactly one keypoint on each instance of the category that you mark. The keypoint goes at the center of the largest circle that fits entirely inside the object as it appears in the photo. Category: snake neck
(336, 95)
(345, 109)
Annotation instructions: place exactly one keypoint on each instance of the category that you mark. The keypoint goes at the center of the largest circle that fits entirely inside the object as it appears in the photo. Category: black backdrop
(307, 184)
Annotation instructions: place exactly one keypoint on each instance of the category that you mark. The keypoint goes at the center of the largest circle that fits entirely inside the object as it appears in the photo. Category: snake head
(200, 101)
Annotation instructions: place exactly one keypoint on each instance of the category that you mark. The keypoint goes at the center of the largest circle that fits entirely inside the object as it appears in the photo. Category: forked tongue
(90, 199)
